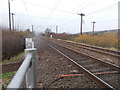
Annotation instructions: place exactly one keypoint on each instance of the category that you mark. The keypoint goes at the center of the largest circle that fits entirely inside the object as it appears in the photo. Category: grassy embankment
(107, 40)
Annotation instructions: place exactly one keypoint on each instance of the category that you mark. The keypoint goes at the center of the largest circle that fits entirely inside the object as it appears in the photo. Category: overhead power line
(82, 4)
(72, 12)
(25, 7)
(54, 7)
(85, 5)
(51, 8)
(102, 9)
(27, 12)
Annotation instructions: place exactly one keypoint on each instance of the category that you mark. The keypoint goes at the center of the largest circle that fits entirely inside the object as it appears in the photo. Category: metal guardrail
(27, 70)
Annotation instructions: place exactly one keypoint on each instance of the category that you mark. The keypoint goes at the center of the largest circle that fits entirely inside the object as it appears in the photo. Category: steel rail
(113, 66)
(93, 48)
(90, 75)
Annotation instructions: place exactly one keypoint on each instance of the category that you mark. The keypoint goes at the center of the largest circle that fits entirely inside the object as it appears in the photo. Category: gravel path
(51, 65)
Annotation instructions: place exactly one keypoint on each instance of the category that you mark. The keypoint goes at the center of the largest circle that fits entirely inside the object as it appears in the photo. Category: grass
(16, 58)
(107, 40)
(6, 78)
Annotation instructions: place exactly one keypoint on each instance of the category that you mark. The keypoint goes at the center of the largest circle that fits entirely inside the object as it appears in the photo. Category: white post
(31, 80)
(50, 36)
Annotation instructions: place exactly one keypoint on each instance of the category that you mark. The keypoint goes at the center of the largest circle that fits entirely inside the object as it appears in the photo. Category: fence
(27, 70)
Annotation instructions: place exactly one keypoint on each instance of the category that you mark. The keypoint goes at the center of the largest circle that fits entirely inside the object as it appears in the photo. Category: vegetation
(18, 57)
(65, 36)
(13, 45)
(13, 42)
(6, 78)
(106, 40)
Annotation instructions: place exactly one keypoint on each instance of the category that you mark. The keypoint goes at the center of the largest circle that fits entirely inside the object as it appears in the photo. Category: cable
(76, 19)
(64, 11)
(89, 3)
(60, 10)
(27, 11)
(54, 8)
(86, 5)
(25, 7)
(102, 9)
(80, 6)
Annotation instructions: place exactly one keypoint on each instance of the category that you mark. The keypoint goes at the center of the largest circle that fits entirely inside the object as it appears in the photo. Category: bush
(107, 40)
(13, 43)
(65, 36)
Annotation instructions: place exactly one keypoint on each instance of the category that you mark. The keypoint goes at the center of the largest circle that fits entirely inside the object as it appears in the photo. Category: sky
(44, 14)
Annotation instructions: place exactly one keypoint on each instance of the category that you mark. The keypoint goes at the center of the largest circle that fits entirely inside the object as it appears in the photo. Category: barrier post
(31, 79)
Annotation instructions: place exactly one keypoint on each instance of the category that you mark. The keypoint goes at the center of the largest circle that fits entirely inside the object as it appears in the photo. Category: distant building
(28, 30)
(47, 32)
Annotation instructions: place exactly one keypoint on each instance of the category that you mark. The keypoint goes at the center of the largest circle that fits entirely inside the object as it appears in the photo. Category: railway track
(98, 52)
(104, 74)
(100, 49)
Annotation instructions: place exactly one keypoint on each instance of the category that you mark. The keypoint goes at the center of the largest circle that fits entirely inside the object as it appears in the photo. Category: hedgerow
(13, 42)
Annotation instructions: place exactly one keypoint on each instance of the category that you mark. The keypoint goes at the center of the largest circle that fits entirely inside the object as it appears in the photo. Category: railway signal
(81, 22)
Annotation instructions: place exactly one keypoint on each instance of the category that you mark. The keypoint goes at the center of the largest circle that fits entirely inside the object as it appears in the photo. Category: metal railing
(27, 70)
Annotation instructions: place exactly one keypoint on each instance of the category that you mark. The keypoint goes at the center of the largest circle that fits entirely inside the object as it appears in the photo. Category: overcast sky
(63, 13)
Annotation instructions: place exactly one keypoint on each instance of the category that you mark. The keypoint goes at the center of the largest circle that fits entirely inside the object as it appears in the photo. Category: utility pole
(93, 26)
(9, 15)
(32, 28)
(81, 22)
(13, 20)
(56, 29)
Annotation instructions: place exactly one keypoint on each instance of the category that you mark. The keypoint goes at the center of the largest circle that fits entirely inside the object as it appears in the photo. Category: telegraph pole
(32, 28)
(56, 29)
(81, 22)
(93, 26)
(9, 15)
(13, 20)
